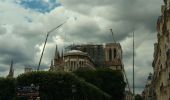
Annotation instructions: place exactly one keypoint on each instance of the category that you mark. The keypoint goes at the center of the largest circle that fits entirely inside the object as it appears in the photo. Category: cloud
(2, 30)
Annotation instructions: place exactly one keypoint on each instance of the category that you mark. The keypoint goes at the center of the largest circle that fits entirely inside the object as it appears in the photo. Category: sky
(24, 24)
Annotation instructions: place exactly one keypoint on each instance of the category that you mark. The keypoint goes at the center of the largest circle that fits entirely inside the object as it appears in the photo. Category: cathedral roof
(75, 52)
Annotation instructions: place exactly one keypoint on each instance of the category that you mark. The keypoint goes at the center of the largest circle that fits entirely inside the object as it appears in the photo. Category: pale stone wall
(161, 63)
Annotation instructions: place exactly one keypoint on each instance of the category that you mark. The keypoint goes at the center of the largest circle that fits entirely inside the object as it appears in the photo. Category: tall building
(11, 71)
(161, 62)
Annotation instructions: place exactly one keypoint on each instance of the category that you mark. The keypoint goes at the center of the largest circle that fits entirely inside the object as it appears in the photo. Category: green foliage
(112, 82)
(62, 86)
(7, 88)
(100, 84)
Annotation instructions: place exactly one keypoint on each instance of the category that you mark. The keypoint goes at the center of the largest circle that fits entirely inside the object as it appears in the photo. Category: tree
(110, 81)
(7, 88)
(62, 86)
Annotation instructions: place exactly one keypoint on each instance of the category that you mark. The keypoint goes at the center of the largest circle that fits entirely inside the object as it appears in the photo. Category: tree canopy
(7, 88)
(110, 81)
(83, 84)
(62, 86)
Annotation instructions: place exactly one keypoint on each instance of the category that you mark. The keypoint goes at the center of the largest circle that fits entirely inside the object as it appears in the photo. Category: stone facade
(75, 59)
(91, 56)
(113, 56)
(71, 61)
(161, 63)
(95, 51)
(103, 55)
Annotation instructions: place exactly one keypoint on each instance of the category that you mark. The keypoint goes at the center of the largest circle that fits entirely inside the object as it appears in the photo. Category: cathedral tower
(113, 55)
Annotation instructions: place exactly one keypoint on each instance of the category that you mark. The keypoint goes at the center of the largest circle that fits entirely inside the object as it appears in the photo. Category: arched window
(110, 54)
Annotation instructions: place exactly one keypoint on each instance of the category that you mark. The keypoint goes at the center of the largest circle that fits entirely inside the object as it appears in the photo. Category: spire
(51, 67)
(11, 71)
(57, 55)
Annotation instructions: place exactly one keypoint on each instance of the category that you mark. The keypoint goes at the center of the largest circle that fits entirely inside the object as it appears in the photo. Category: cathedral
(89, 56)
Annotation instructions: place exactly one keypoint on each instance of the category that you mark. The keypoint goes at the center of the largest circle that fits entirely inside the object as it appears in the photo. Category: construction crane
(48, 33)
(112, 35)
(124, 72)
(126, 79)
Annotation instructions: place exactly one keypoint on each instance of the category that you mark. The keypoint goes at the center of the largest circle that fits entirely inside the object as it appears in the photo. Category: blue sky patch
(40, 5)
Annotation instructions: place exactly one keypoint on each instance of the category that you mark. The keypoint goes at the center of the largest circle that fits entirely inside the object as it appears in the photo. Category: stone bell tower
(113, 56)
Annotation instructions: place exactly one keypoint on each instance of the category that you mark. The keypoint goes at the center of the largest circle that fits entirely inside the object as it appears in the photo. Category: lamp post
(48, 33)
(133, 67)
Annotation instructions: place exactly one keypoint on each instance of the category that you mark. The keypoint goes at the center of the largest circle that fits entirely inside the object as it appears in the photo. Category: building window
(168, 53)
(169, 75)
(161, 87)
(115, 53)
(110, 54)
(161, 67)
(71, 63)
(79, 63)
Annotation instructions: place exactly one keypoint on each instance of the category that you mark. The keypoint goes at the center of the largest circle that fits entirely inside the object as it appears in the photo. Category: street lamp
(48, 33)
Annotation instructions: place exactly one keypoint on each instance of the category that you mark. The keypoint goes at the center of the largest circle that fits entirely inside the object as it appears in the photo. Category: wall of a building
(161, 63)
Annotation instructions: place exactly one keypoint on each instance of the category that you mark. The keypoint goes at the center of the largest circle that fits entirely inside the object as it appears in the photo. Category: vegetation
(106, 79)
(62, 86)
(7, 88)
(83, 84)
